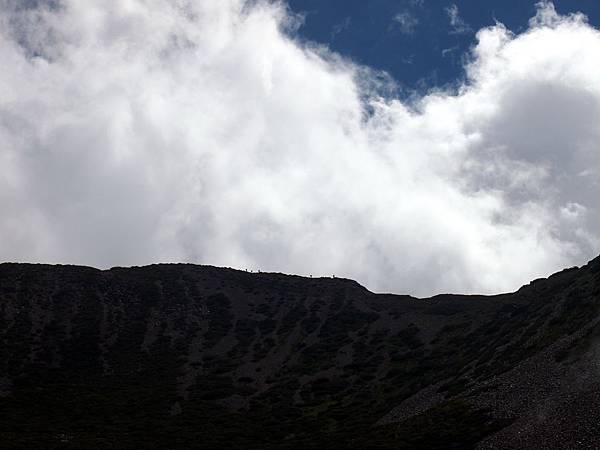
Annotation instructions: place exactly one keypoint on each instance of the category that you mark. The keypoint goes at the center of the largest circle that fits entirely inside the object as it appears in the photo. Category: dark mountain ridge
(186, 356)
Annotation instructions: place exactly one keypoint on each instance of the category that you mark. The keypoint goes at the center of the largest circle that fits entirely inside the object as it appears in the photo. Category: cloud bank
(138, 131)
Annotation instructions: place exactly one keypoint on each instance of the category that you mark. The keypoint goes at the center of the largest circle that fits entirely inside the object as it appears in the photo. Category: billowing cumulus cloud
(137, 131)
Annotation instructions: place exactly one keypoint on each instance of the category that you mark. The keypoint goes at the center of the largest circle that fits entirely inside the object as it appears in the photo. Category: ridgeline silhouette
(185, 356)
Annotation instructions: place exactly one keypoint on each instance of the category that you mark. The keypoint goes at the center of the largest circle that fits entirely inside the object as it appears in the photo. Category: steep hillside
(180, 356)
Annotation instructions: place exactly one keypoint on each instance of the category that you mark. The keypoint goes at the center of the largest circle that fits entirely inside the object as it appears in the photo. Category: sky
(415, 146)
(422, 44)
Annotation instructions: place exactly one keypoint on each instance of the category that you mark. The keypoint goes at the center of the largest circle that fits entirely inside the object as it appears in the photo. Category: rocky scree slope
(185, 356)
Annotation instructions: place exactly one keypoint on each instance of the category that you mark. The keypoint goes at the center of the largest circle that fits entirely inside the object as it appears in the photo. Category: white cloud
(449, 50)
(134, 131)
(405, 22)
(340, 27)
(459, 26)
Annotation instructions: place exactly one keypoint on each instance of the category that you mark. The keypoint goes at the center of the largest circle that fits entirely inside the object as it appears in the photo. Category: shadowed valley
(185, 356)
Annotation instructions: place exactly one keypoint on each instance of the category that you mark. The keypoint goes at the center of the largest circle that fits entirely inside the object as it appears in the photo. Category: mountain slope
(180, 356)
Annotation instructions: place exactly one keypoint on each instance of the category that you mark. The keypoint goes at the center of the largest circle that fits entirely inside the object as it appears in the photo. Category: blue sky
(414, 40)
